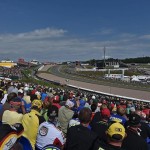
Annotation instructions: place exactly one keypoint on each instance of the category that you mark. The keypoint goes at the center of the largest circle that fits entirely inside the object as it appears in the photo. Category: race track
(144, 95)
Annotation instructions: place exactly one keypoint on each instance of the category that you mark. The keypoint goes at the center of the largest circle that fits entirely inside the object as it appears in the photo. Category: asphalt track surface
(144, 95)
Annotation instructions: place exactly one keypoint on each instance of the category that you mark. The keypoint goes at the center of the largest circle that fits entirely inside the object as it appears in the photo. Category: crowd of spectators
(15, 72)
(35, 117)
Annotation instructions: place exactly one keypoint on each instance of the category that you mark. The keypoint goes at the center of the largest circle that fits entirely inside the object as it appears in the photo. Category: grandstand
(7, 64)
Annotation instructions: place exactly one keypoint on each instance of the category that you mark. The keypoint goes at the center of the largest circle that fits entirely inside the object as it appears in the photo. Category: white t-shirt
(74, 122)
(4, 99)
(49, 134)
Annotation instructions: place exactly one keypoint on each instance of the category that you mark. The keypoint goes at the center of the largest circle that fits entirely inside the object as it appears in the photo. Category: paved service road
(107, 89)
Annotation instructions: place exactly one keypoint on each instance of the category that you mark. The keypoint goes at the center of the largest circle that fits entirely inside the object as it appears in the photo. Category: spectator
(44, 94)
(10, 87)
(46, 105)
(56, 101)
(9, 136)
(119, 117)
(6, 105)
(93, 108)
(48, 133)
(145, 129)
(15, 89)
(31, 122)
(65, 114)
(146, 110)
(23, 102)
(101, 126)
(27, 100)
(12, 116)
(80, 137)
(97, 116)
(133, 134)
(115, 135)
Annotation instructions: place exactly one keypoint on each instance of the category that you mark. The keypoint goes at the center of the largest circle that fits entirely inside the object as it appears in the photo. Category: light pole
(104, 57)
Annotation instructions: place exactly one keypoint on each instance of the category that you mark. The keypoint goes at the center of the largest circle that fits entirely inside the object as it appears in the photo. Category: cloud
(146, 37)
(36, 34)
(127, 35)
(51, 44)
(106, 31)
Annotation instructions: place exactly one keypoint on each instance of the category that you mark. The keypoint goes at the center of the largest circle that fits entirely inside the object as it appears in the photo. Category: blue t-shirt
(82, 104)
(26, 106)
(43, 96)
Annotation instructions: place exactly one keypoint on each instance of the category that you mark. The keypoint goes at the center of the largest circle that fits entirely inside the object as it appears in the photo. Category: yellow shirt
(30, 123)
(11, 117)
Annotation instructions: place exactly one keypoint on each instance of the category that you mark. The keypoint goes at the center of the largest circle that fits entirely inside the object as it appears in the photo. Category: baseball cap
(20, 91)
(105, 112)
(93, 97)
(69, 103)
(141, 114)
(134, 120)
(37, 103)
(132, 109)
(116, 129)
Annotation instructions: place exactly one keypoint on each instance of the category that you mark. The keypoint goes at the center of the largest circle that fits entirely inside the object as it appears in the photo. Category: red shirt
(146, 111)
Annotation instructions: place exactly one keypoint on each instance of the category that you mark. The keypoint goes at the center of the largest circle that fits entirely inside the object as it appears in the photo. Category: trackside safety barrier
(108, 94)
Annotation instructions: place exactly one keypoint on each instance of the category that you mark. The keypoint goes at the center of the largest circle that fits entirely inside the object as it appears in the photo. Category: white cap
(132, 109)
(37, 93)
(20, 91)
(93, 97)
(26, 88)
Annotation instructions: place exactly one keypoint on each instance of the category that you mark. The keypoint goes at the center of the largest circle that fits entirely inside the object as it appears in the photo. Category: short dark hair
(52, 112)
(134, 120)
(36, 108)
(121, 111)
(11, 96)
(115, 138)
(85, 115)
(93, 107)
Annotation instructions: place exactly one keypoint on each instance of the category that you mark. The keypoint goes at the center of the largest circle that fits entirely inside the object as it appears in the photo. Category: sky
(73, 30)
